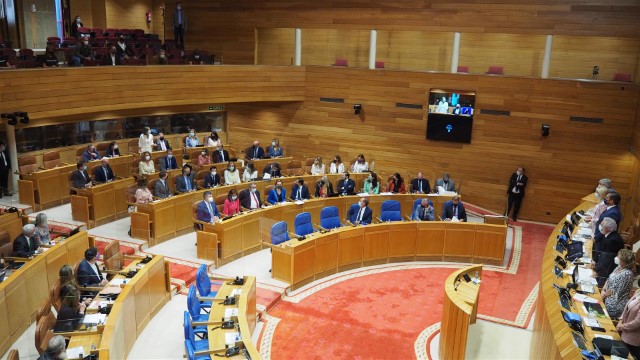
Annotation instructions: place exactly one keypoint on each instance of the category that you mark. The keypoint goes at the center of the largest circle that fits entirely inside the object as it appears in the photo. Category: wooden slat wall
(275, 46)
(127, 14)
(82, 8)
(415, 50)
(324, 46)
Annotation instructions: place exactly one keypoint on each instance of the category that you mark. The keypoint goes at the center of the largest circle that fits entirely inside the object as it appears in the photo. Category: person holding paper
(615, 292)
(612, 243)
(454, 210)
(445, 183)
(517, 184)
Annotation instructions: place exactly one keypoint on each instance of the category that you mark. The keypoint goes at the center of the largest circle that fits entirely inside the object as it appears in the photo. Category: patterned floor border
(421, 345)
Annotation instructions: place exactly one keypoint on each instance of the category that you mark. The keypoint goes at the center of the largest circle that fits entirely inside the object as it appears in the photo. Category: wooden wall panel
(127, 14)
(98, 14)
(324, 46)
(275, 46)
(415, 50)
(575, 56)
(82, 8)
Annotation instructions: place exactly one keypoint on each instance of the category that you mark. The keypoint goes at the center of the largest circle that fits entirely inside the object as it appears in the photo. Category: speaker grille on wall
(495, 112)
(409, 106)
(586, 119)
(332, 100)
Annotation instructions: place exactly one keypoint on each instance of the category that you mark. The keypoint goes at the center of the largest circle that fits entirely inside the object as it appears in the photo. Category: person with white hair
(55, 349)
(612, 243)
(25, 245)
(42, 229)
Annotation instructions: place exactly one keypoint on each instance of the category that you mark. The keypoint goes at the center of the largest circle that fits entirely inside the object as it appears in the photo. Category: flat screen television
(450, 115)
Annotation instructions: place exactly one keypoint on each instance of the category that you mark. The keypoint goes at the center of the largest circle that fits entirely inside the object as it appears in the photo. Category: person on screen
(517, 185)
(443, 106)
(457, 110)
(454, 99)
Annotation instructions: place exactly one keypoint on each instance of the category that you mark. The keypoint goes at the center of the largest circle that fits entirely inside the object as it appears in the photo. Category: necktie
(210, 210)
(455, 210)
(299, 194)
(29, 243)
(3, 158)
(222, 155)
(424, 213)
(420, 182)
(360, 214)
(163, 146)
(255, 198)
(186, 180)
(106, 176)
(255, 153)
(82, 172)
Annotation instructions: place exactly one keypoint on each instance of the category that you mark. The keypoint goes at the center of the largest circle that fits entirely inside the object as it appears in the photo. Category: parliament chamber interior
(428, 179)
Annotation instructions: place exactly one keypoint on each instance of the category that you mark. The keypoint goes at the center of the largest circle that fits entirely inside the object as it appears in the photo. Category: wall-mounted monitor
(450, 115)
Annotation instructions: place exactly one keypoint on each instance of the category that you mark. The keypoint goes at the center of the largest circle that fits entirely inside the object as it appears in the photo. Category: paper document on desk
(584, 298)
(299, 202)
(118, 281)
(386, 193)
(587, 288)
(363, 194)
(230, 338)
(229, 313)
(604, 337)
(585, 231)
(75, 352)
(442, 191)
(94, 319)
(455, 219)
(236, 292)
(590, 322)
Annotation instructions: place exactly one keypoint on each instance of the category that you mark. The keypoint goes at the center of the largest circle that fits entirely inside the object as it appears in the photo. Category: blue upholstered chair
(189, 334)
(330, 218)
(194, 306)
(191, 352)
(203, 284)
(303, 225)
(353, 213)
(390, 211)
(279, 233)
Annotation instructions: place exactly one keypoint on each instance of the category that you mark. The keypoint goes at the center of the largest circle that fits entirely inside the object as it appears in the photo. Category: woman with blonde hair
(318, 167)
(615, 292)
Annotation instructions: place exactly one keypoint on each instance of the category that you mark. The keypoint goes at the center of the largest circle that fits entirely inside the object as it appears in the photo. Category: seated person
(250, 199)
(424, 211)
(26, 245)
(255, 151)
(454, 209)
(82, 51)
(346, 186)
(324, 188)
(186, 182)
(195, 58)
(56, 349)
(371, 184)
(457, 110)
(278, 194)
(420, 185)
(361, 215)
(615, 292)
(42, 234)
(318, 167)
(161, 188)
(123, 50)
(112, 59)
(5, 64)
(361, 165)
(250, 173)
(300, 191)
(203, 158)
(212, 179)
(231, 203)
(192, 140)
(162, 144)
(214, 140)
(161, 58)
(49, 59)
(146, 165)
(90, 154)
(168, 162)
(446, 183)
(231, 175)
(220, 155)
(143, 195)
(113, 150)
(396, 184)
(274, 150)
(273, 170)
(207, 210)
(103, 173)
(88, 272)
(337, 166)
(80, 178)
(71, 312)
(612, 243)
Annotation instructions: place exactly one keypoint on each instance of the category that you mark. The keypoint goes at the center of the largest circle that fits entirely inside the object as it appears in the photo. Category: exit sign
(216, 107)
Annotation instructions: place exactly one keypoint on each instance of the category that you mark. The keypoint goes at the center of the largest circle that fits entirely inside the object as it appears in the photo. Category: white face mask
(616, 260)
(600, 228)
(273, 143)
(161, 56)
(204, 153)
(149, 132)
(518, 173)
(169, 156)
(147, 158)
(192, 134)
(115, 147)
(253, 190)
(234, 198)
(197, 57)
(86, 42)
(231, 168)
(210, 199)
(213, 172)
(78, 21)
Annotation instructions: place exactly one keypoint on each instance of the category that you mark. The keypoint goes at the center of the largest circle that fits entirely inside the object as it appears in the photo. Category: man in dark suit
(88, 272)
(612, 199)
(612, 242)
(80, 178)
(168, 162)
(300, 191)
(5, 167)
(363, 215)
(112, 57)
(90, 154)
(221, 155)
(250, 198)
(346, 186)
(454, 209)
(255, 151)
(420, 185)
(517, 184)
(207, 210)
(212, 179)
(273, 170)
(103, 173)
(25, 245)
(161, 188)
(162, 144)
(185, 183)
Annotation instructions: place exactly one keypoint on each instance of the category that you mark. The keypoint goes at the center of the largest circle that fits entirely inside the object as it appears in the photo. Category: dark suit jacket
(606, 264)
(78, 181)
(347, 187)
(181, 184)
(329, 189)
(245, 198)
(217, 158)
(168, 164)
(68, 319)
(447, 211)
(127, 50)
(160, 190)
(99, 175)
(4, 167)
(366, 217)
(304, 192)
(513, 181)
(598, 245)
(269, 170)
(106, 60)
(166, 143)
(86, 276)
(250, 154)
(86, 156)
(211, 181)
(21, 246)
(203, 212)
(415, 185)
(111, 152)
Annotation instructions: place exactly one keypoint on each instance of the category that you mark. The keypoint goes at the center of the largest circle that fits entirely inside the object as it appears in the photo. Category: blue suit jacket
(203, 211)
(447, 211)
(366, 217)
(86, 276)
(86, 156)
(166, 164)
(273, 196)
(305, 192)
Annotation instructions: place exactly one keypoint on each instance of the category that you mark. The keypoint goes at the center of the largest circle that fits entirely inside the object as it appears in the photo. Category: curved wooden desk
(459, 310)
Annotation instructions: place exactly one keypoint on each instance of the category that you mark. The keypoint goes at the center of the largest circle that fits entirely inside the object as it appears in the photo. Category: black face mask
(161, 137)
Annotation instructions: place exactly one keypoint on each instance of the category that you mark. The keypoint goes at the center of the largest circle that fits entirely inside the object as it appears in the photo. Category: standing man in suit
(185, 183)
(5, 167)
(161, 188)
(250, 199)
(26, 245)
(420, 185)
(168, 162)
(103, 173)
(207, 210)
(454, 209)
(611, 200)
(300, 191)
(363, 215)
(162, 144)
(346, 186)
(220, 155)
(255, 151)
(91, 154)
(446, 183)
(424, 211)
(88, 272)
(179, 25)
(517, 184)
(212, 179)
(612, 242)
(80, 178)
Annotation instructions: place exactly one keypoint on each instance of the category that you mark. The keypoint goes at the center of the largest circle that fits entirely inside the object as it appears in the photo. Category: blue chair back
(390, 211)
(202, 281)
(279, 233)
(188, 329)
(415, 204)
(330, 217)
(193, 304)
(191, 352)
(353, 212)
(303, 224)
